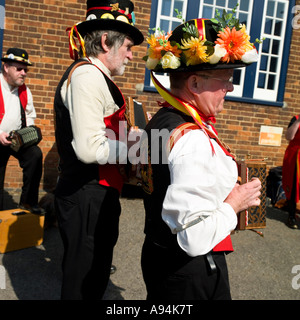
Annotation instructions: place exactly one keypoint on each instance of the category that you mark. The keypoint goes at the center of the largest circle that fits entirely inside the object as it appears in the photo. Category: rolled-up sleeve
(200, 182)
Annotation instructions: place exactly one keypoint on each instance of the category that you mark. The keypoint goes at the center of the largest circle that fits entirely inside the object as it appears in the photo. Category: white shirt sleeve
(200, 182)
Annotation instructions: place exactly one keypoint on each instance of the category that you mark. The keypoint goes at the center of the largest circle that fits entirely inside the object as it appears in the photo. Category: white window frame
(268, 94)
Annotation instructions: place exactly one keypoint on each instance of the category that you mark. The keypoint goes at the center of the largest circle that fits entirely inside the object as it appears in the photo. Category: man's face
(15, 73)
(213, 89)
(119, 57)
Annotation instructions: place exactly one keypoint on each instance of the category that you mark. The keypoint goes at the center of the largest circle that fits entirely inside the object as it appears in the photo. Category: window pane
(266, 46)
(209, 1)
(271, 82)
(164, 25)
(232, 3)
(261, 80)
(166, 7)
(264, 63)
(268, 26)
(237, 76)
(275, 47)
(220, 3)
(244, 5)
(270, 8)
(175, 24)
(273, 65)
(280, 10)
(243, 18)
(278, 28)
(208, 12)
(177, 5)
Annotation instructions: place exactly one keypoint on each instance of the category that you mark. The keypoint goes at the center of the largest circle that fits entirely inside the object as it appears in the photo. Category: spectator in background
(290, 170)
(17, 111)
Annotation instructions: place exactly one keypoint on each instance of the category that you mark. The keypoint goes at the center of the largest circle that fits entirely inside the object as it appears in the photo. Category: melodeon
(254, 217)
(25, 137)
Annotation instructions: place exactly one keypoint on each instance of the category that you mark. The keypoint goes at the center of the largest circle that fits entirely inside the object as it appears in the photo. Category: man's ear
(194, 85)
(103, 42)
(5, 67)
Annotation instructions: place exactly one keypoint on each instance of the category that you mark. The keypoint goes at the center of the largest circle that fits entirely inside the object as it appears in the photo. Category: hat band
(16, 58)
(200, 25)
(110, 9)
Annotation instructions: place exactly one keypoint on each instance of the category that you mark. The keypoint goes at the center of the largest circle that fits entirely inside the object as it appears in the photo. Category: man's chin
(20, 83)
(119, 72)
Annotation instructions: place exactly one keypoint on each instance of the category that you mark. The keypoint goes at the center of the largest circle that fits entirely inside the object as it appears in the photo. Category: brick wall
(39, 27)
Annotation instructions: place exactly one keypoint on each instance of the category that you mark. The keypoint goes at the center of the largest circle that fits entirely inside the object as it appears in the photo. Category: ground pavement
(261, 268)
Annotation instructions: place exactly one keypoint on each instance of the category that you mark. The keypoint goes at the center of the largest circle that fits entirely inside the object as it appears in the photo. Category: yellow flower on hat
(194, 51)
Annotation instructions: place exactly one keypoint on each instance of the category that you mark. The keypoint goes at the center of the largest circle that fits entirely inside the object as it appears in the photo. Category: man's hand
(244, 196)
(3, 139)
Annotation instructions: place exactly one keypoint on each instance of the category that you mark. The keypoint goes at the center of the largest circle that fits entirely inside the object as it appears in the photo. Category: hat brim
(14, 60)
(88, 26)
(204, 67)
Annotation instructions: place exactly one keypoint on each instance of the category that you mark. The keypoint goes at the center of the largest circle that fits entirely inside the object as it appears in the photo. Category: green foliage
(226, 20)
(190, 31)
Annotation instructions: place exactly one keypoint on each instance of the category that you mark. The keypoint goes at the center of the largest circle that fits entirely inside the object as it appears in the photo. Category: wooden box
(254, 217)
(20, 229)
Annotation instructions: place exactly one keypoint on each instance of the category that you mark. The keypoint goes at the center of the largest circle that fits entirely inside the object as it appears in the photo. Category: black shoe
(291, 223)
(36, 209)
(113, 269)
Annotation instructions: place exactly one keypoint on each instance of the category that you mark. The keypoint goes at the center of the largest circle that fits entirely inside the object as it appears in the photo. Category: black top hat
(114, 15)
(17, 55)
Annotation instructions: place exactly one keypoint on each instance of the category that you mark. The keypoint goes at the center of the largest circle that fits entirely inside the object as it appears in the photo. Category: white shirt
(12, 117)
(200, 182)
(89, 100)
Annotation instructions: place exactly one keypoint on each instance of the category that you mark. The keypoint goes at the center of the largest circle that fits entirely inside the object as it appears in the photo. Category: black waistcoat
(158, 174)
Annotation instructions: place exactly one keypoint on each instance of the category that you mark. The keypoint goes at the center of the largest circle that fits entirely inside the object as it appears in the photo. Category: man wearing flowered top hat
(17, 111)
(89, 108)
(191, 195)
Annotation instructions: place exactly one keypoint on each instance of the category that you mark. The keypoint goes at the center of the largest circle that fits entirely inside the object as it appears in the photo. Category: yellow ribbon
(175, 102)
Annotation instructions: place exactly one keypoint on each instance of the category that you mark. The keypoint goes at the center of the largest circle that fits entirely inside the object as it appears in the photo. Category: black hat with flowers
(201, 44)
(16, 55)
(114, 15)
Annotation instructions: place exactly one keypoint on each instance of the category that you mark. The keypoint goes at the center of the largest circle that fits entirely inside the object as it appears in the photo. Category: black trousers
(88, 220)
(31, 161)
(173, 275)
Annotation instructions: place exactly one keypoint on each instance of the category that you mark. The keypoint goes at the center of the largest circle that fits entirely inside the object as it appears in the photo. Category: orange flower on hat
(236, 43)
(158, 45)
(154, 47)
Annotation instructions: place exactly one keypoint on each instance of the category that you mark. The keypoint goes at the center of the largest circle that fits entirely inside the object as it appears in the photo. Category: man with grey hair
(88, 105)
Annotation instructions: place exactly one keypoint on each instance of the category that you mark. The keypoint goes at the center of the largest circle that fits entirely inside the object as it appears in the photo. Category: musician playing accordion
(16, 112)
